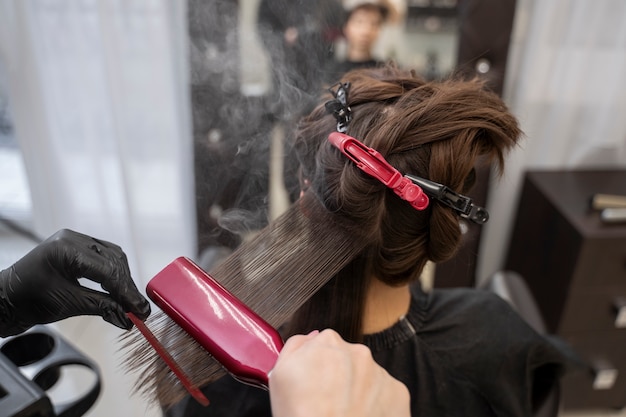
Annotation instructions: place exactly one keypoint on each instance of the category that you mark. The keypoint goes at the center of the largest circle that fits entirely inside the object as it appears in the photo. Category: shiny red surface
(245, 344)
(372, 163)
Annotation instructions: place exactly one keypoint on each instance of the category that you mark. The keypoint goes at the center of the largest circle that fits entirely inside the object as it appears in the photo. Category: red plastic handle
(169, 360)
(374, 164)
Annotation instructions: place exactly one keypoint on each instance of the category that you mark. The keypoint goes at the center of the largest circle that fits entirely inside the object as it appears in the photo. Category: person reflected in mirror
(361, 29)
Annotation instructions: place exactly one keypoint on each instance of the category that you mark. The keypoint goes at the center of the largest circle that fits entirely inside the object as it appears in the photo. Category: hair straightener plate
(242, 341)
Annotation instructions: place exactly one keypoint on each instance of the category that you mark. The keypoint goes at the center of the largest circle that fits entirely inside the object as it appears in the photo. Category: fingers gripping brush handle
(244, 344)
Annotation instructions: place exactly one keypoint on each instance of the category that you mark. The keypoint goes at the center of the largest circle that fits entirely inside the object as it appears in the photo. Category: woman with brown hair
(460, 352)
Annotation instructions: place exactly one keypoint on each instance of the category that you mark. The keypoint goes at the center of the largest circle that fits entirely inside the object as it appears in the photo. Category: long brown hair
(436, 130)
(311, 267)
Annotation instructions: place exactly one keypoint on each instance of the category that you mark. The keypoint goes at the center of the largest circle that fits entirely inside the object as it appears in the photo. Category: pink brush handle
(164, 354)
(245, 344)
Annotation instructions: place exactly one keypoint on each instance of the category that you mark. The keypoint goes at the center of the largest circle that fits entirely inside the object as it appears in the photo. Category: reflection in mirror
(230, 131)
(256, 67)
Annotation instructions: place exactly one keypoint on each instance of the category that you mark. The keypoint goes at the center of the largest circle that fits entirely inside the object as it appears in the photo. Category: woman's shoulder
(478, 320)
(470, 303)
(479, 328)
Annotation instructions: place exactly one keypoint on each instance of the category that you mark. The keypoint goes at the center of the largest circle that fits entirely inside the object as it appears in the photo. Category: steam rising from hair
(232, 131)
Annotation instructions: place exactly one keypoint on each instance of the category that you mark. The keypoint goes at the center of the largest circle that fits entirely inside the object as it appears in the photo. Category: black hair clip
(338, 106)
(458, 202)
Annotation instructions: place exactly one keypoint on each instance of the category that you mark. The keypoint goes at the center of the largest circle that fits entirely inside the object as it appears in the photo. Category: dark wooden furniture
(575, 267)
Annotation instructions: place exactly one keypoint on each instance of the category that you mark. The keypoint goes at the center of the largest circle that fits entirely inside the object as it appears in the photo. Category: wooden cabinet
(575, 266)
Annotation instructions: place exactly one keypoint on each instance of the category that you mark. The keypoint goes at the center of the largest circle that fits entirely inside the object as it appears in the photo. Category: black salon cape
(461, 352)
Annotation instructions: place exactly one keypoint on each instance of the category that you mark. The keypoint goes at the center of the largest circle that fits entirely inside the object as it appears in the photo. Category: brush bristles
(274, 274)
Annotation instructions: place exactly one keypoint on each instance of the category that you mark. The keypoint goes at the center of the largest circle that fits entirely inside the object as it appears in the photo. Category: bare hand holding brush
(322, 375)
(43, 287)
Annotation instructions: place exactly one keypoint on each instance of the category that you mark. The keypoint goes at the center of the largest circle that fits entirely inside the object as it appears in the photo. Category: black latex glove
(43, 286)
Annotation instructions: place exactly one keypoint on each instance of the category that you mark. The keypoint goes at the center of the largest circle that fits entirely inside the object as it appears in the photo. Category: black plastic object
(19, 396)
(512, 288)
(458, 202)
(30, 364)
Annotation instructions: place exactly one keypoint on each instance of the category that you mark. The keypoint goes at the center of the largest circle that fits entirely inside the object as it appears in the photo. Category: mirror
(234, 78)
(256, 64)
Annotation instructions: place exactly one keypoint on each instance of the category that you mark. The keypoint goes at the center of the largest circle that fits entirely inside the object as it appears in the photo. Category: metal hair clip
(458, 202)
(339, 106)
(372, 163)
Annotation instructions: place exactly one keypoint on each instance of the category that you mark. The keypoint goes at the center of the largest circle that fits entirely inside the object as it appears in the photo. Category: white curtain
(99, 95)
(100, 101)
(566, 83)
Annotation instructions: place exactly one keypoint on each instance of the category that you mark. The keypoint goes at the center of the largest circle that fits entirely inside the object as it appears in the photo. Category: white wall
(99, 93)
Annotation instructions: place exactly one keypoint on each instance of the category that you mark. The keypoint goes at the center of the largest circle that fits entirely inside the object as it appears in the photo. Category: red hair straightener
(244, 344)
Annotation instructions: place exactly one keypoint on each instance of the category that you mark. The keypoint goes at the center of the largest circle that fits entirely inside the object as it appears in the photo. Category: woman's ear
(305, 183)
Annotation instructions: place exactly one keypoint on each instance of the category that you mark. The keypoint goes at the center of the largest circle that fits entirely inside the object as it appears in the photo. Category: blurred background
(159, 125)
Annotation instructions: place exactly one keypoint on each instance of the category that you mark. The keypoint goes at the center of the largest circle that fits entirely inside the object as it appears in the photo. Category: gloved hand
(43, 286)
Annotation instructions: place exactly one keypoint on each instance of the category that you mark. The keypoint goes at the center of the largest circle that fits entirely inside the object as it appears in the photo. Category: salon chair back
(512, 288)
